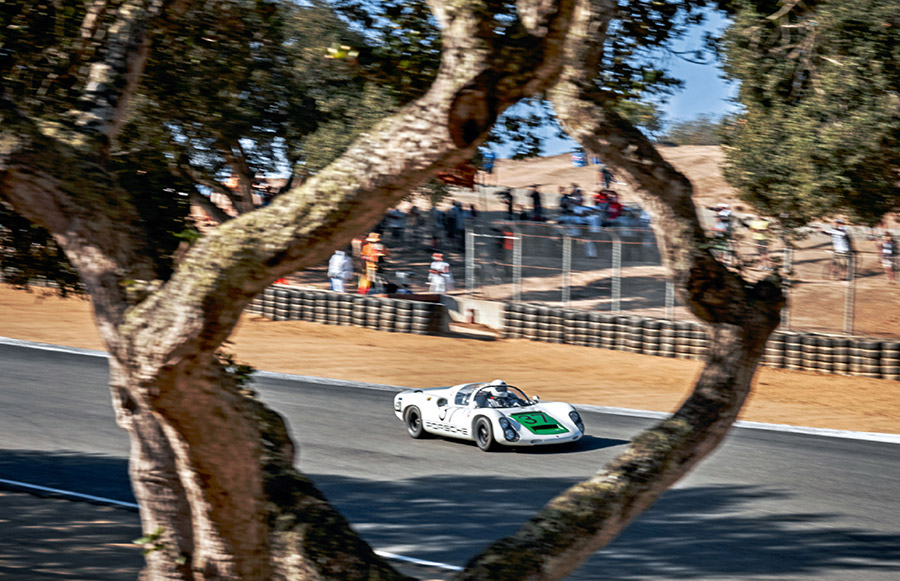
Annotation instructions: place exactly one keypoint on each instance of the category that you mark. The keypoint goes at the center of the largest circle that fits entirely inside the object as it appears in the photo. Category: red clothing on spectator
(614, 210)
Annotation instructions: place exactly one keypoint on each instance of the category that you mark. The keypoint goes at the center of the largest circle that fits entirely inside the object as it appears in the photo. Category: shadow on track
(704, 532)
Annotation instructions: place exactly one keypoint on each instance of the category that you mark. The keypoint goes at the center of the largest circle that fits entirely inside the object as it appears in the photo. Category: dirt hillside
(700, 163)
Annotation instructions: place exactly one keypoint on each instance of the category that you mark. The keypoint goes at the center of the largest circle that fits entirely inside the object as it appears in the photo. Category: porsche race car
(491, 414)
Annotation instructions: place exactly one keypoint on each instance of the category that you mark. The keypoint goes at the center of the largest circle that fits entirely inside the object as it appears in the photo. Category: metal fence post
(786, 311)
(786, 282)
(470, 261)
(566, 268)
(617, 275)
(788, 267)
(670, 300)
(850, 295)
(517, 267)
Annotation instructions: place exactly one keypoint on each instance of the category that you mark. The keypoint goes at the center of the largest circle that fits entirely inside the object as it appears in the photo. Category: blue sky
(704, 91)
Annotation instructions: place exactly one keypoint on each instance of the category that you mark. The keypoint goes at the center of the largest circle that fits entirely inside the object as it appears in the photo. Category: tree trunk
(164, 508)
(212, 470)
(741, 316)
(212, 467)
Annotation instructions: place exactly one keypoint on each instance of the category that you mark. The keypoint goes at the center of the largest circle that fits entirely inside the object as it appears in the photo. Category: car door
(454, 418)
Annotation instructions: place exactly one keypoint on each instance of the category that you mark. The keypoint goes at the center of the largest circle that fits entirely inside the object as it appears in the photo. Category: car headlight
(576, 419)
(398, 401)
(509, 432)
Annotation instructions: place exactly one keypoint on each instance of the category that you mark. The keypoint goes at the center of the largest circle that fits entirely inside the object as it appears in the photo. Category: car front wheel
(414, 424)
(484, 435)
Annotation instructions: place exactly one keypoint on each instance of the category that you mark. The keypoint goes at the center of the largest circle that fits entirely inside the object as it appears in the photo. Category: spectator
(842, 245)
(396, 223)
(576, 194)
(437, 225)
(439, 278)
(722, 227)
(536, 205)
(455, 224)
(841, 242)
(373, 254)
(606, 177)
(449, 223)
(887, 248)
(565, 201)
(487, 167)
(340, 270)
(613, 210)
(356, 246)
(505, 244)
(595, 220)
(601, 201)
(508, 198)
(759, 231)
(723, 248)
(416, 220)
(459, 224)
(644, 221)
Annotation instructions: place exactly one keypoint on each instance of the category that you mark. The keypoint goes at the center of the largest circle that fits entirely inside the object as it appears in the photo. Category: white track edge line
(131, 505)
(69, 493)
(415, 561)
(823, 432)
(51, 347)
(788, 428)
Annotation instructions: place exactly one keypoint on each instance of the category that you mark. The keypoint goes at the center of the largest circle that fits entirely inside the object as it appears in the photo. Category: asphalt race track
(767, 505)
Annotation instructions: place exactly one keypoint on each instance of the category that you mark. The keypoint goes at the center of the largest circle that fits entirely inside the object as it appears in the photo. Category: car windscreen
(465, 392)
(518, 394)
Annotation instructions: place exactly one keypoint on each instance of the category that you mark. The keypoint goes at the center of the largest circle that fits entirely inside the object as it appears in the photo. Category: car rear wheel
(484, 435)
(414, 424)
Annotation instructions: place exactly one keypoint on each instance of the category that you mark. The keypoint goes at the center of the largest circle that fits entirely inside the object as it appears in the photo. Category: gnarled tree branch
(586, 517)
(120, 57)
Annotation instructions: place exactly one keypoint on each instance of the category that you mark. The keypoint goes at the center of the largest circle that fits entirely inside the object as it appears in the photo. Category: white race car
(491, 414)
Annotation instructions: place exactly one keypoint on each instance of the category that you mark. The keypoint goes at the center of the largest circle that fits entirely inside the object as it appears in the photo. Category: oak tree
(819, 133)
(211, 466)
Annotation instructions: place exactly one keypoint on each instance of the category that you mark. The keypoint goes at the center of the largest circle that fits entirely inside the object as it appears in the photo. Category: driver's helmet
(499, 394)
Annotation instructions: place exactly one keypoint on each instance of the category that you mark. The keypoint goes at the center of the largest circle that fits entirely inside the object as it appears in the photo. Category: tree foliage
(239, 88)
(29, 253)
(820, 87)
(97, 142)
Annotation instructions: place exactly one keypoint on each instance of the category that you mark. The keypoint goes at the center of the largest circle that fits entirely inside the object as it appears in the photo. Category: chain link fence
(611, 269)
(618, 270)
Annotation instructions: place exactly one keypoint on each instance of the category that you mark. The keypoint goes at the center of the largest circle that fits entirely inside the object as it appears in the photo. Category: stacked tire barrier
(836, 354)
(281, 303)
(842, 355)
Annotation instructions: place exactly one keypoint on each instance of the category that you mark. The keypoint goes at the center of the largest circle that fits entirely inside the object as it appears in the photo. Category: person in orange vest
(373, 255)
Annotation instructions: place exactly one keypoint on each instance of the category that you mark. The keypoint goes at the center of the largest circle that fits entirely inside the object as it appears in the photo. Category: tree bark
(155, 481)
(741, 316)
(212, 467)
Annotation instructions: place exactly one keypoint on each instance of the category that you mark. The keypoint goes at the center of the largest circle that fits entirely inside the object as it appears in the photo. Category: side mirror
(536, 397)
